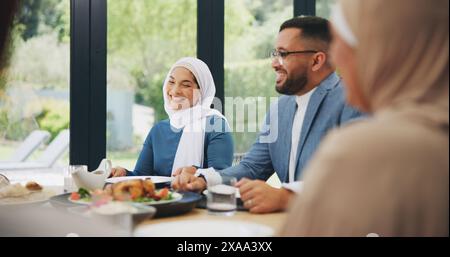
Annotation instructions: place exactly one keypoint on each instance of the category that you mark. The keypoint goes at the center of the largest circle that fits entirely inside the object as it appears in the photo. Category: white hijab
(190, 149)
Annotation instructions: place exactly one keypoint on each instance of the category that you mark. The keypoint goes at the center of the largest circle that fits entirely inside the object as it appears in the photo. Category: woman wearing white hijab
(194, 134)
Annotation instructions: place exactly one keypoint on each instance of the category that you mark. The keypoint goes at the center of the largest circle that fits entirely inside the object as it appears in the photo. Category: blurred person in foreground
(388, 175)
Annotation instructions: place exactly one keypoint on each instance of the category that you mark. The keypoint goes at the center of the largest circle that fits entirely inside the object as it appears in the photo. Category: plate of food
(18, 194)
(166, 201)
(136, 191)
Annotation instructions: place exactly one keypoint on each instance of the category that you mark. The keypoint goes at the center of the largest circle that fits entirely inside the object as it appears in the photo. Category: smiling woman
(194, 134)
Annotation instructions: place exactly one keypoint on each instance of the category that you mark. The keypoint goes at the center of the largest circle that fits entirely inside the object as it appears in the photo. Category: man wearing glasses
(313, 102)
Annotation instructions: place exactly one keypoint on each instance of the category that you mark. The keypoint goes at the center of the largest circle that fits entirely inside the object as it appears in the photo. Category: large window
(323, 8)
(34, 91)
(251, 28)
(145, 37)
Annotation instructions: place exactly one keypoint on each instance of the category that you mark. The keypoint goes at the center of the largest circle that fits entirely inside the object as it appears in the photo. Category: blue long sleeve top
(159, 149)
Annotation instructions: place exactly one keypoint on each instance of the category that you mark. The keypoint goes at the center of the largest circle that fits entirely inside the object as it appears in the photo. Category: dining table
(54, 180)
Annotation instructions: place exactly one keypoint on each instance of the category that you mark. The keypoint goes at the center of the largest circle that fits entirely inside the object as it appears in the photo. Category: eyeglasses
(280, 55)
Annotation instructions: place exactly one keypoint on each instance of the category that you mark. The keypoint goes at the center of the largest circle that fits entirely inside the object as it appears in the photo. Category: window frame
(304, 7)
(88, 48)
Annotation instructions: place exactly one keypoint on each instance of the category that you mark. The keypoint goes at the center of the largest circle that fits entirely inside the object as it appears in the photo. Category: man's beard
(292, 86)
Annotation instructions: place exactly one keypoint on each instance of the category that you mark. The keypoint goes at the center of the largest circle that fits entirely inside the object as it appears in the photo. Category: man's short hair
(313, 28)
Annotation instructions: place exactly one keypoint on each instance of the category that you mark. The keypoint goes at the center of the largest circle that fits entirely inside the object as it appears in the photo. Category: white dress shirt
(302, 105)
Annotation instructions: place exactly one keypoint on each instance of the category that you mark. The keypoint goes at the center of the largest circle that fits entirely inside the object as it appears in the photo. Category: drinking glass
(221, 198)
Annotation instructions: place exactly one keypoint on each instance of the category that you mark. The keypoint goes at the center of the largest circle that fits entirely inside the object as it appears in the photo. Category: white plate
(32, 198)
(155, 179)
(175, 197)
(204, 228)
(238, 194)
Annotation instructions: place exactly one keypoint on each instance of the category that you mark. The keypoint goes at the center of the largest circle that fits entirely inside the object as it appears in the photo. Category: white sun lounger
(48, 158)
(28, 146)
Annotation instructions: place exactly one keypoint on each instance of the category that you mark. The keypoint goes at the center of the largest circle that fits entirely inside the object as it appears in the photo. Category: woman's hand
(118, 172)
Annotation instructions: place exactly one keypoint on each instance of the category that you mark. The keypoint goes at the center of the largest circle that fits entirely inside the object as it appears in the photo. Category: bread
(33, 186)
